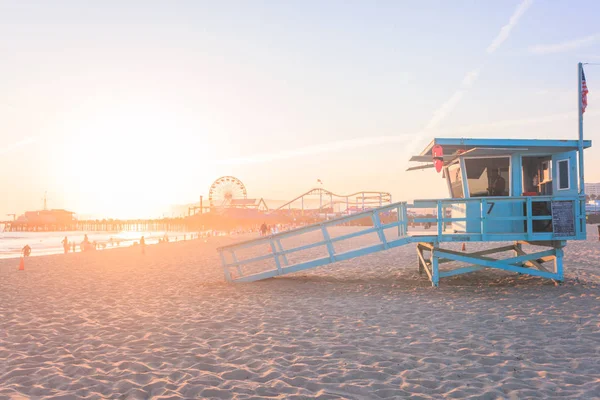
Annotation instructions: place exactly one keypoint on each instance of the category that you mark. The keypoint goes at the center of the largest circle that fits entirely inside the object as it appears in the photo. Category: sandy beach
(119, 324)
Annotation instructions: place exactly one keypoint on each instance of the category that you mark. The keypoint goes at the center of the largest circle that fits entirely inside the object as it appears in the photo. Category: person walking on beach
(65, 243)
(85, 245)
(26, 251)
(263, 229)
(143, 245)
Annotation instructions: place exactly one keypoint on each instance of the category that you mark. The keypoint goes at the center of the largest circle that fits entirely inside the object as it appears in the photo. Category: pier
(105, 225)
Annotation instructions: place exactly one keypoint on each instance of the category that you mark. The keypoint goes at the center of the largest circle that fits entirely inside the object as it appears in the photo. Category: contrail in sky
(318, 149)
(565, 46)
(413, 139)
(512, 22)
(16, 145)
(406, 138)
(471, 77)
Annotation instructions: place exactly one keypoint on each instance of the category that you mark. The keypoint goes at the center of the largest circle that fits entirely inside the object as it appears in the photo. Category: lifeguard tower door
(564, 174)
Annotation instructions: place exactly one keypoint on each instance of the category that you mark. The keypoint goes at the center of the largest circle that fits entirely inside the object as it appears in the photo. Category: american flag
(319, 181)
(584, 92)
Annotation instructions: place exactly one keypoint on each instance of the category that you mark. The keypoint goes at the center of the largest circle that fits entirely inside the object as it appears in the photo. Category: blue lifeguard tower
(520, 191)
(517, 190)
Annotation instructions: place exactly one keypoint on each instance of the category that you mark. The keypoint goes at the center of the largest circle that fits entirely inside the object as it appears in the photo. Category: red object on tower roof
(438, 157)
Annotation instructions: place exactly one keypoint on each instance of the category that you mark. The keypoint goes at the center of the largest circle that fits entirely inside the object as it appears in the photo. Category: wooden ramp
(315, 245)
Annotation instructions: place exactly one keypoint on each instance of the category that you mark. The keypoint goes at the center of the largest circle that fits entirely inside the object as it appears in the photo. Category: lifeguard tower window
(537, 176)
(488, 176)
(563, 175)
(456, 187)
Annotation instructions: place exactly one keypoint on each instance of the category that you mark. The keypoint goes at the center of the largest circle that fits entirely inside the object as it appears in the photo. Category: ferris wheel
(224, 190)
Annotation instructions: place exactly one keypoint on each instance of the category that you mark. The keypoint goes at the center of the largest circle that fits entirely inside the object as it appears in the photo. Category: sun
(134, 163)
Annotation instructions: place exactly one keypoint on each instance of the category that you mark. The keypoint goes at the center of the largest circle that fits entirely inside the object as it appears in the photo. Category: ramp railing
(240, 260)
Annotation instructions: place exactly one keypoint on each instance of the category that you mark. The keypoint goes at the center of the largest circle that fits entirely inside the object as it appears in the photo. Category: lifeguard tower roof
(484, 146)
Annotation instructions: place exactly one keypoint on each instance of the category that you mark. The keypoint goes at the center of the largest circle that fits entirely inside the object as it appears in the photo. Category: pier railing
(105, 225)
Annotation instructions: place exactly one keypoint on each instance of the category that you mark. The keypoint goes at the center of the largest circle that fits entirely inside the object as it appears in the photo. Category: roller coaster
(329, 202)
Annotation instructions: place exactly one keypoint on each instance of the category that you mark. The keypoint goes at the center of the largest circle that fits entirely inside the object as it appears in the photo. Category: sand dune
(119, 324)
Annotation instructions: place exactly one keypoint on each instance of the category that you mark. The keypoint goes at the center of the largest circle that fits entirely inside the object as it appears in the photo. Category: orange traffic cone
(464, 247)
(22, 264)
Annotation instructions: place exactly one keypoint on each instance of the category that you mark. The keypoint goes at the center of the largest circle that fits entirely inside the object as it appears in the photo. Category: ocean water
(44, 243)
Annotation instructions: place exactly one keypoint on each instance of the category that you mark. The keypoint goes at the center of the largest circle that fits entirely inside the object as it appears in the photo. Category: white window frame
(448, 181)
(468, 191)
(568, 174)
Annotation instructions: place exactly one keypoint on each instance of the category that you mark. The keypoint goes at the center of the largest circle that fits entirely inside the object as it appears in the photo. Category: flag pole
(580, 144)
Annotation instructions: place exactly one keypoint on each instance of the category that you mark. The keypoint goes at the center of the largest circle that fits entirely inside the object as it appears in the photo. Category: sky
(123, 108)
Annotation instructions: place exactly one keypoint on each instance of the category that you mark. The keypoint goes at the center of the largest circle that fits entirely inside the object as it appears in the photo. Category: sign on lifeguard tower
(516, 191)
(563, 220)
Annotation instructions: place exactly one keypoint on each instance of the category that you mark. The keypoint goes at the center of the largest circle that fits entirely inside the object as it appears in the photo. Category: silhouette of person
(143, 245)
(85, 245)
(65, 243)
(26, 250)
(498, 184)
